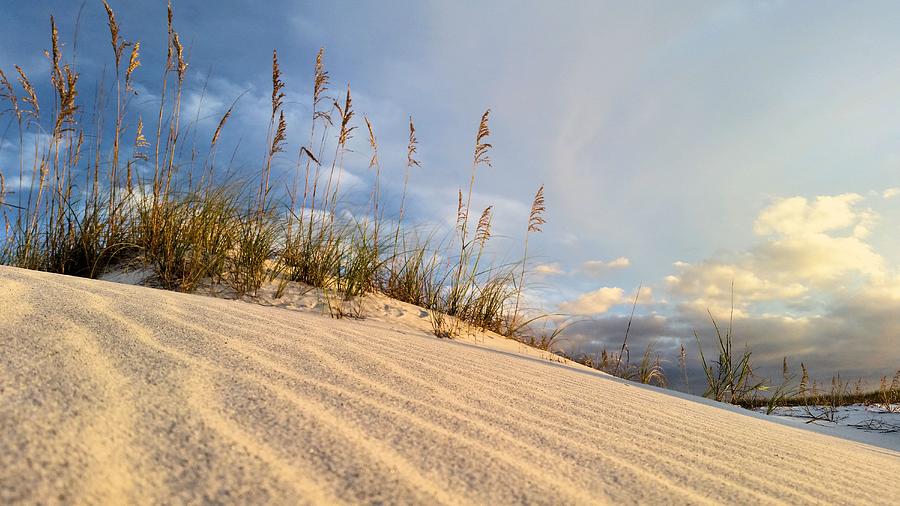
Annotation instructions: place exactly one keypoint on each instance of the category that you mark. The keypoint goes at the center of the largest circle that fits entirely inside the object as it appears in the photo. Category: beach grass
(105, 187)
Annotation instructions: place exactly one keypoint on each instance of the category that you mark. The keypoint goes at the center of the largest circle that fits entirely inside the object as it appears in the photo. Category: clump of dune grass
(818, 403)
(547, 339)
(682, 364)
(825, 406)
(187, 238)
(463, 278)
(649, 370)
(778, 394)
(470, 291)
(110, 189)
(730, 378)
(413, 274)
(889, 394)
(252, 250)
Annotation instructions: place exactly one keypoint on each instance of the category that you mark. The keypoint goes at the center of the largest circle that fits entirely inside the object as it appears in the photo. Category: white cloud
(809, 251)
(798, 216)
(890, 193)
(595, 302)
(711, 279)
(818, 258)
(552, 269)
(596, 267)
(601, 300)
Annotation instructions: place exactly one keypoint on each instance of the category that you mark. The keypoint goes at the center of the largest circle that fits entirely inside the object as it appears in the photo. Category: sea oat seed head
(412, 147)
(346, 115)
(372, 143)
(133, 63)
(483, 230)
(536, 217)
(482, 148)
(118, 44)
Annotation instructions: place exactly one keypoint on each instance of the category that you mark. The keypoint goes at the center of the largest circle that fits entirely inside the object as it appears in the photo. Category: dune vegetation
(89, 198)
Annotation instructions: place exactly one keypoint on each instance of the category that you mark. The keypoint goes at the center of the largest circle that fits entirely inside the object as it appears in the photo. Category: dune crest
(117, 393)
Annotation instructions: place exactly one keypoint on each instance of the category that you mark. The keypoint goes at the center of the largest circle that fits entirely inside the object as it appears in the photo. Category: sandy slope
(121, 394)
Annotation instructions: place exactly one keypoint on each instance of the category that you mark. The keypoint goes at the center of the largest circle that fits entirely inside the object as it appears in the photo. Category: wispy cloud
(598, 267)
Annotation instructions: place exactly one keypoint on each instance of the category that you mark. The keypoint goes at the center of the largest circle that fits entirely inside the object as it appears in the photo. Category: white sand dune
(122, 394)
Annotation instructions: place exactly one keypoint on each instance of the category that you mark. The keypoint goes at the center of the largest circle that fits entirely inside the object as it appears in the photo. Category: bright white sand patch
(112, 393)
(874, 424)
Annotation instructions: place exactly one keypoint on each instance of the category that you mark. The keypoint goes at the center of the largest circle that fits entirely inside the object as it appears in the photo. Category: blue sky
(682, 148)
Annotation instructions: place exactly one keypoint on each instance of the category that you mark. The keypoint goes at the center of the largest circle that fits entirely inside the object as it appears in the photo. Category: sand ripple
(119, 394)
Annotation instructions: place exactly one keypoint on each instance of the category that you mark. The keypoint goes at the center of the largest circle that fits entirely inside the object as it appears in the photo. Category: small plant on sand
(889, 394)
(825, 406)
(776, 396)
(730, 378)
(620, 367)
(546, 331)
(682, 364)
(650, 370)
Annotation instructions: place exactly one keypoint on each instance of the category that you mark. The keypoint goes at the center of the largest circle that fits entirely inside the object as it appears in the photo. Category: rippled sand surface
(123, 394)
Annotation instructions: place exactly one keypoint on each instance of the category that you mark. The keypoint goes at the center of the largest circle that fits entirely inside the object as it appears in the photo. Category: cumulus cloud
(597, 267)
(811, 287)
(710, 284)
(805, 247)
(551, 269)
(890, 193)
(595, 302)
(601, 300)
(799, 216)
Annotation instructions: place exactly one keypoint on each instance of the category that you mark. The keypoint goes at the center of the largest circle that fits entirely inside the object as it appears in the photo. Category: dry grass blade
(682, 364)
(622, 352)
(804, 380)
